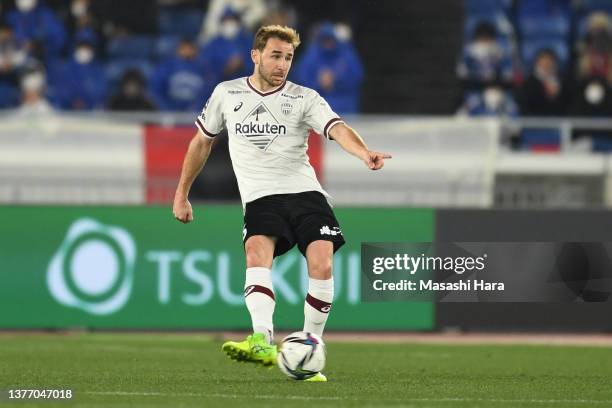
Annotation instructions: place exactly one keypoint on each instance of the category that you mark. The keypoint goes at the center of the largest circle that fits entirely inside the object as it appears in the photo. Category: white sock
(318, 304)
(259, 299)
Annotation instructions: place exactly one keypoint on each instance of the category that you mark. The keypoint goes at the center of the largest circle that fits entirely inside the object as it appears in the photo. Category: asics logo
(237, 107)
(249, 290)
(326, 309)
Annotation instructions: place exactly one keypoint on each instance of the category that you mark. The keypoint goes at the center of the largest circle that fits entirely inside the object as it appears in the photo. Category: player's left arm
(350, 141)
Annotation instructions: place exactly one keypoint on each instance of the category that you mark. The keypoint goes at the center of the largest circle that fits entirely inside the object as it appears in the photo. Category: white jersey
(268, 135)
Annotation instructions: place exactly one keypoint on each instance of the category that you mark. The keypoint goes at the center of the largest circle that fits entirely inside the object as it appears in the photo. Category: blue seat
(544, 27)
(166, 46)
(180, 22)
(541, 8)
(602, 143)
(530, 49)
(138, 46)
(501, 23)
(597, 5)
(486, 7)
(115, 69)
(534, 138)
(9, 96)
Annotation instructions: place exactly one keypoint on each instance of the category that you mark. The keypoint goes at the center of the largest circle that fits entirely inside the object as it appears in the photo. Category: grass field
(188, 370)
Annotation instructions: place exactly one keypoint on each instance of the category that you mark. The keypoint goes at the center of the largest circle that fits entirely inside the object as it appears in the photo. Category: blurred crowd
(155, 55)
(537, 58)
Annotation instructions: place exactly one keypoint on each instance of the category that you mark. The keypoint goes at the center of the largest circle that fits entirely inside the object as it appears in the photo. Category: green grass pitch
(189, 370)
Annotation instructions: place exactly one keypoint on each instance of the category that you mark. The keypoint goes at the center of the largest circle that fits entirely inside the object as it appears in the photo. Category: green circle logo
(93, 268)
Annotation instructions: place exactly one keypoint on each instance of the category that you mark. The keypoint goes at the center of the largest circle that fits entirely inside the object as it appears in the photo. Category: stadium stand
(578, 32)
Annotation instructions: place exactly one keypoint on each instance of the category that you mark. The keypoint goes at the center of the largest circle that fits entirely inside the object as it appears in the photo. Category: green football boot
(254, 349)
(319, 377)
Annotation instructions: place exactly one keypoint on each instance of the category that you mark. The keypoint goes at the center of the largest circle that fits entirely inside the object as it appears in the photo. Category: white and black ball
(302, 355)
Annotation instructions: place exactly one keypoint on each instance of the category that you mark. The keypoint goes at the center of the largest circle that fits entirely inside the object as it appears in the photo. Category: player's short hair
(283, 33)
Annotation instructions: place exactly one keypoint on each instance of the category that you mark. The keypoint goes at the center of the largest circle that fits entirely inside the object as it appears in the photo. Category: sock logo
(258, 288)
(318, 304)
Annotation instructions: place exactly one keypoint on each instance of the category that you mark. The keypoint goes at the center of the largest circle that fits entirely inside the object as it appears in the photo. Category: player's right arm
(195, 159)
(209, 123)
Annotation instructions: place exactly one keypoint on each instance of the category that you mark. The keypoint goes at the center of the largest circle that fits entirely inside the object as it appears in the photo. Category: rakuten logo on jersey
(260, 127)
(256, 129)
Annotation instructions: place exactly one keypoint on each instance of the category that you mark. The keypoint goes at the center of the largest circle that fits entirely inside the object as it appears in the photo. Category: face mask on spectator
(33, 82)
(25, 5)
(482, 50)
(343, 32)
(78, 8)
(83, 55)
(493, 98)
(594, 93)
(229, 29)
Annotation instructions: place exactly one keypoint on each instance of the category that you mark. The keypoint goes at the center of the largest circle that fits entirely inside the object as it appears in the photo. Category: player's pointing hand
(376, 160)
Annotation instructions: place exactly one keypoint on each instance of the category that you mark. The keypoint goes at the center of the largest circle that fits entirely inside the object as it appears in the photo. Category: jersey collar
(265, 93)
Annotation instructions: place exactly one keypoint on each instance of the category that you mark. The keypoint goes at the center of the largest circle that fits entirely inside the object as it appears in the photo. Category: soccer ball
(302, 355)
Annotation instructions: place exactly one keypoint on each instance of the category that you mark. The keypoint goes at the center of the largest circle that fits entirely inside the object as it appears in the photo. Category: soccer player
(268, 120)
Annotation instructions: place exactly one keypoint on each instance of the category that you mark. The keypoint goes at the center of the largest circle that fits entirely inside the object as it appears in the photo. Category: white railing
(437, 162)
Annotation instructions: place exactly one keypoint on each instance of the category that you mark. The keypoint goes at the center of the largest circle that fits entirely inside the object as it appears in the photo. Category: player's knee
(257, 256)
(321, 268)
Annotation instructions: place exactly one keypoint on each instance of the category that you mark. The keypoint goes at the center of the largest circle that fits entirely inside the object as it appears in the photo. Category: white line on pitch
(297, 397)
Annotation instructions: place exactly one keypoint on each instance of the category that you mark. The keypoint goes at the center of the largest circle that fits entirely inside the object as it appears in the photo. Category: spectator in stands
(492, 101)
(484, 60)
(593, 97)
(83, 26)
(38, 26)
(33, 85)
(250, 11)
(595, 49)
(229, 52)
(332, 68)
(545, 92)
(132, 94)
(80, 83)
(182, 82)
(13, 57)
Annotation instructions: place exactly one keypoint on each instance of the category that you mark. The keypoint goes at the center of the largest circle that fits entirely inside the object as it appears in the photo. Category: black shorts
(299, 218)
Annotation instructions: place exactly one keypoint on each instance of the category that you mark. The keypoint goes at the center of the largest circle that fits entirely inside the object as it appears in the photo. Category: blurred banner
(137, 267)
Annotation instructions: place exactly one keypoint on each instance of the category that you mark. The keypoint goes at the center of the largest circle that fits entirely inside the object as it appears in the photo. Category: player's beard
(268, 77)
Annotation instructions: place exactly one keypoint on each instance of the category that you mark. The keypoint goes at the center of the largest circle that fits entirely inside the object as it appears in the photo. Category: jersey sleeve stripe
(330, 125)
(201, 126)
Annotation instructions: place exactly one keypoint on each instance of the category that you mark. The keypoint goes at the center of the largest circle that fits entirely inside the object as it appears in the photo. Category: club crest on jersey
(203, 113)
(260, 127)
(286, 108)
